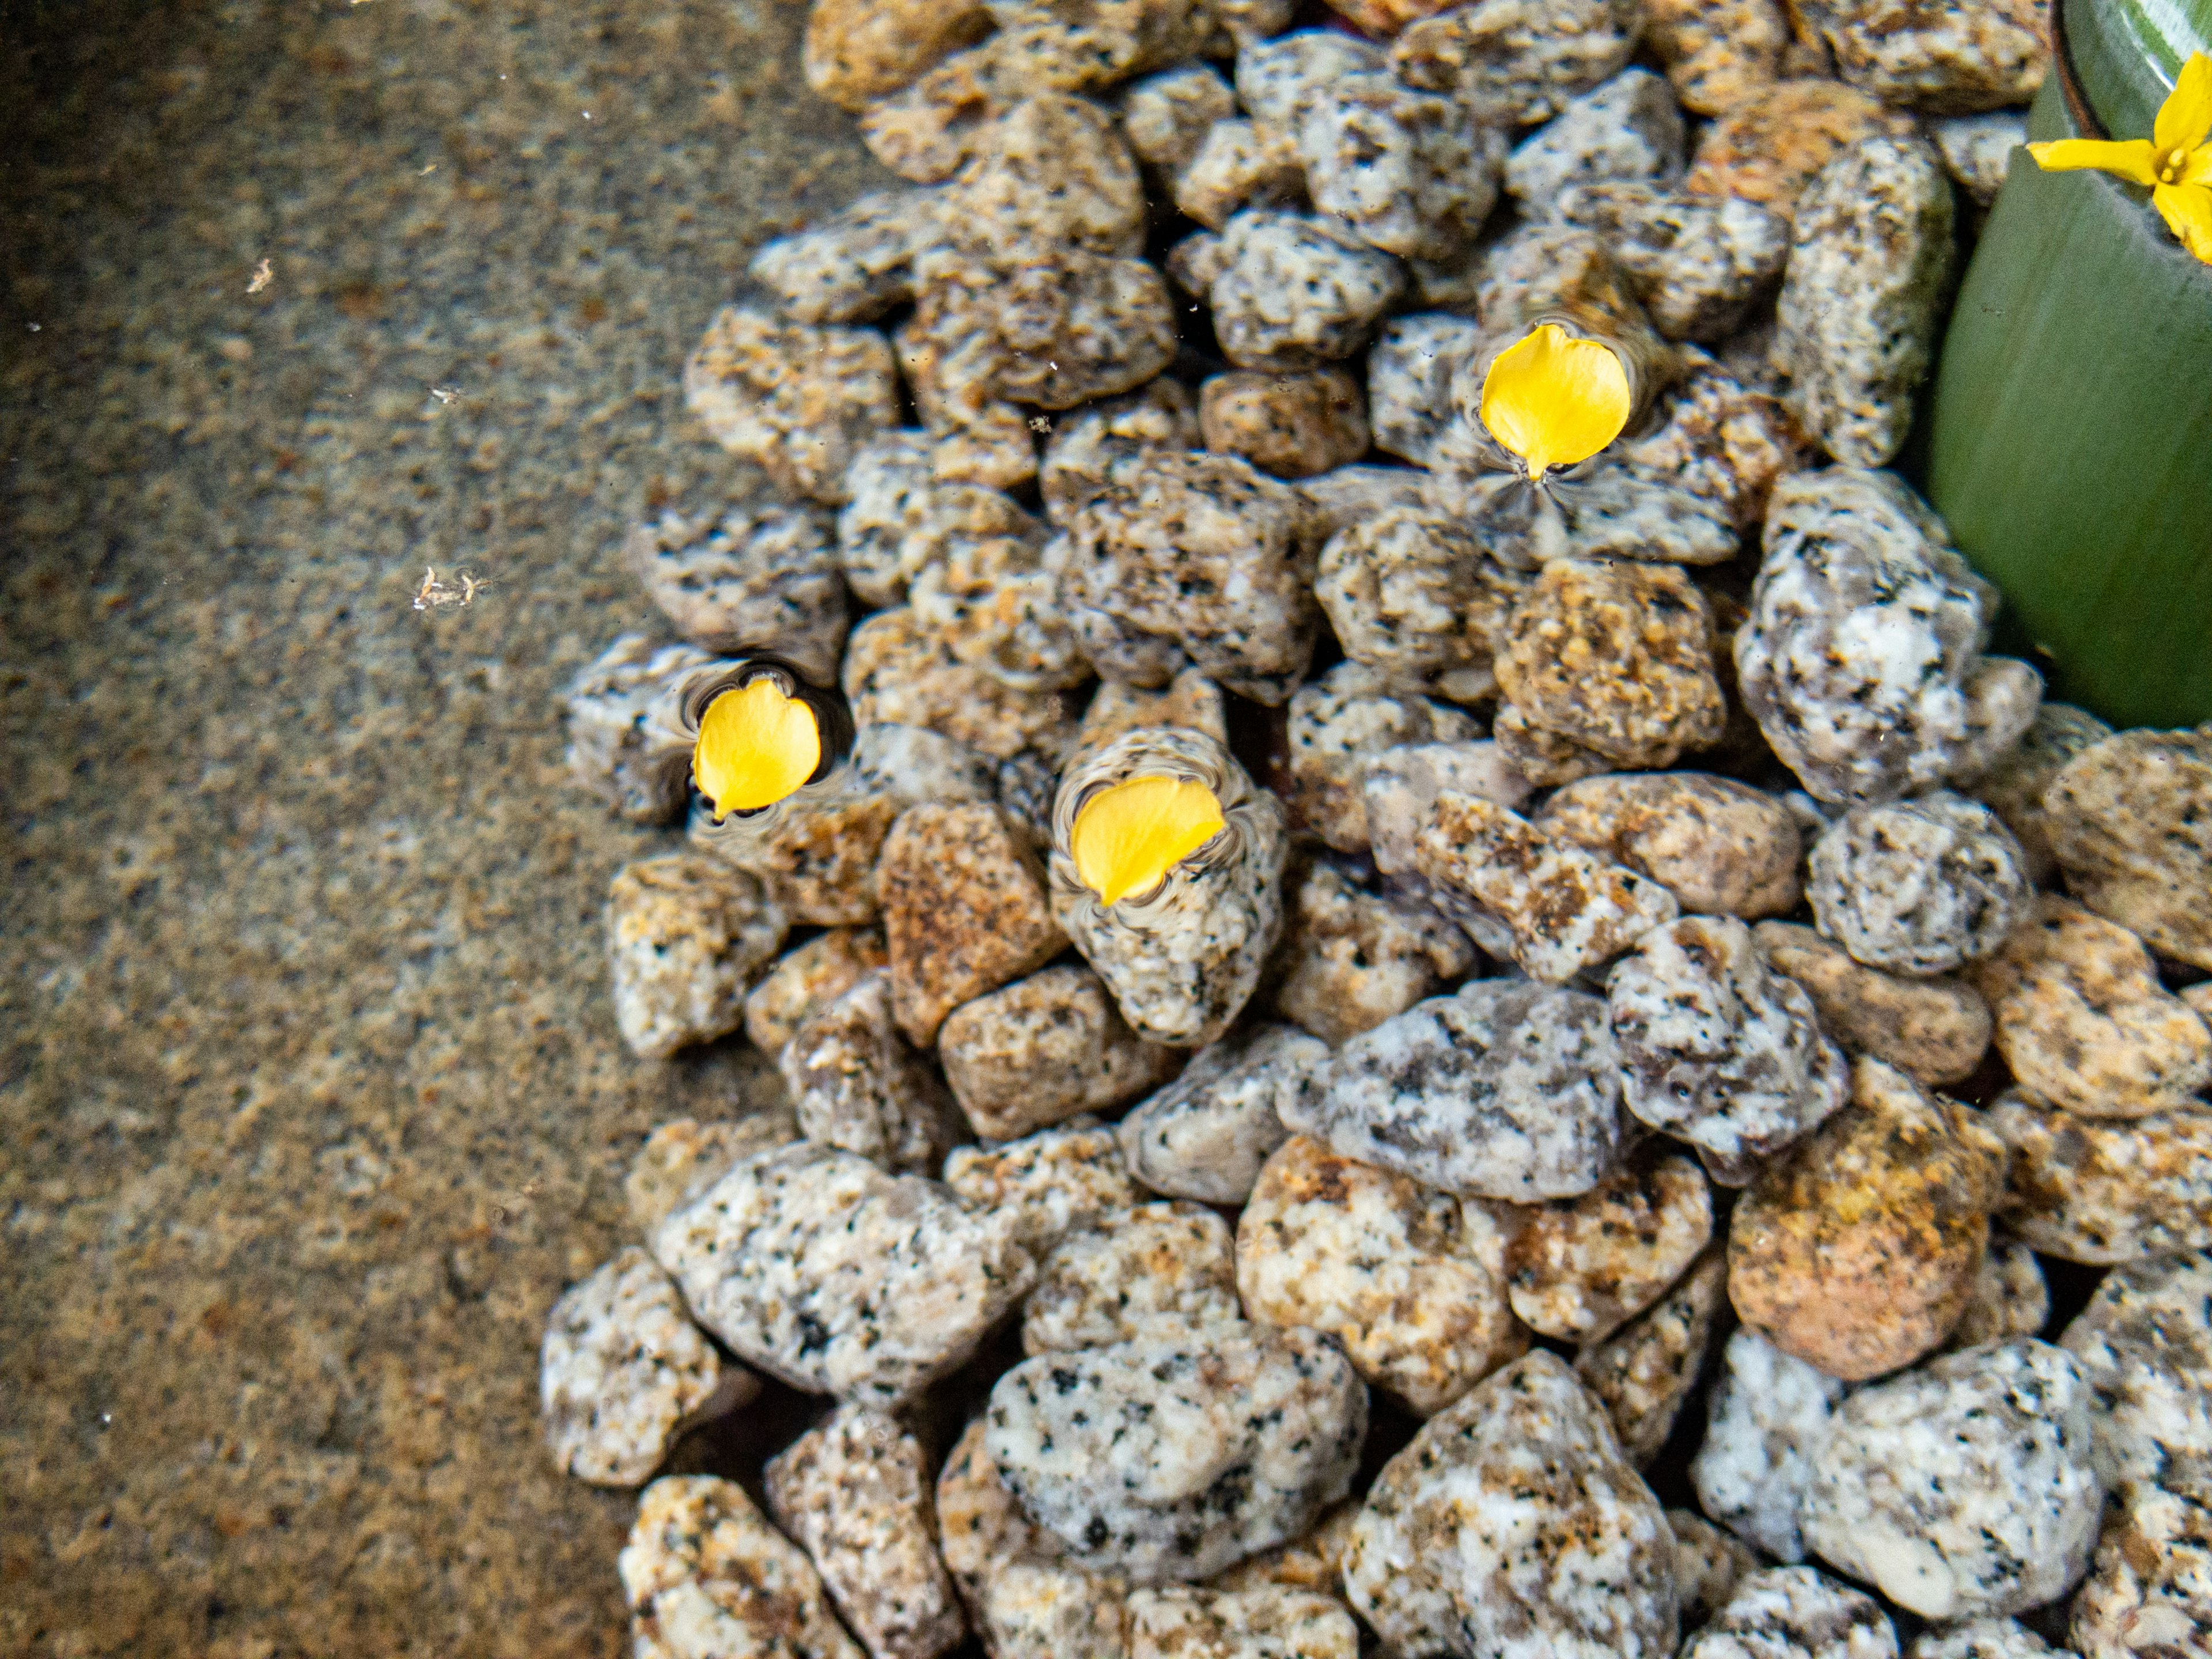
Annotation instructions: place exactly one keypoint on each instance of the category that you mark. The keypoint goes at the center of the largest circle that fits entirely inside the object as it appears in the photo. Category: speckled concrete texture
(311, 1097)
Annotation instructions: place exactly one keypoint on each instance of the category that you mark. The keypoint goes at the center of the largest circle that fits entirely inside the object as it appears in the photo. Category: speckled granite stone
(2145, 1345)
(1796, 1613)
(2127, 819)
(2147, 1595)
(2086, 1190)
(1340, 722)
(1173, 1458)
(706, 1574)
(1518, 62)
(1580, 1267)
(1721, 848)
(1511, 1527)
(1766, 1416)
(1167, 1268)
(1205, 1134)
(1350, 958)
(1918, 886)
(1644, 1372)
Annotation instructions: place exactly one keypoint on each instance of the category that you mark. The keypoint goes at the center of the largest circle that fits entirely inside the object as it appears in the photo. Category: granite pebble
(1046, 1185)
(1579, 1268)
(687, 935)
(855, 1084)
(1766, 1416)
(1161, 1268)
(1350, 958)
(1920, 886)
(2105, 1191)
(1933, 1030)
(1042, 1049)
(1205, 1135)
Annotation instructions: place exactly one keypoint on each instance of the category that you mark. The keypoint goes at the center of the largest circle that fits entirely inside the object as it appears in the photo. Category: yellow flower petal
(2197, 170)
(2187, 210)
(1128, 837)
(756, 745)
(2185, 120)
(1554, 400)
(2133, 159)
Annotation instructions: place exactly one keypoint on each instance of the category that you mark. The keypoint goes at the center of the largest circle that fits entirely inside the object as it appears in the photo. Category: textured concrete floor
(310, 1093)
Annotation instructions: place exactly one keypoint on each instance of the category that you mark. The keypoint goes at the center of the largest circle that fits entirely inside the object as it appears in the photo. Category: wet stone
(1291, 425)
(1709, 1565)
(1616, 658)
(1041, 1049)
(1939, 58)
(2147, 1595)
(860, 50)
(1088, 448)
(1720, 847)
(1408, 1279)
(1964, 1488)
(1865, 626)
(1563, 909)
(1721, 440)
(1514, 63)
(1268, 1622)
(1977, 150)
(1165, 117)
(2013, 787)
(1350, 959)
(1717, 53)
(1047, 1185)
(891, 504)
(856, 1085)
(1336, 724)
(706, 1577)
(989, 592)
(680, 1159)
(1173, 1459)
(2131, 819)
(1050, 175)
(1206, 1135)
(687, 934)
(626, 740)
(925, 129)
(816, 1266)
(1628, 129)
(1870, 262)
(621, 1372)
(747, 575)
(1338, 499)
(1935, 1031)
(897, 672)
(1544, 269)
(855, 265)
(1768, 147)
(1796, 1613)
(2144, 1342)
(1414, 597)
(1412, 369)
(1644, 1372)
(964, 911)
(806, 980)
(1505, 1089)
(797, 401)
(1512, 1525)
(854, 1493)
(1858, 1250)
(1160, 1269)
(1237, 165)
(1277, 80)
(1718, 1049)
(1190, 701)
(2083, 1022)
(1412, 173)
(1580, 1268)
(1918, 886)
(1766, 1416)
(2086, 1190)
(1194, 561)
(1699, 265)
(2010, 1298)
(1289, 293)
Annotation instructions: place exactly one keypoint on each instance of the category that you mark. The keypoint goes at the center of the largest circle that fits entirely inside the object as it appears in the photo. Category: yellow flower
(756, 745)
(1128, 837)
(1554, 400)
(2175, 162)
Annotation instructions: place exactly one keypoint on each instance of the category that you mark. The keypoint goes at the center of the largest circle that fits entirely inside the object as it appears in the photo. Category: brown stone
(1935, 1030)
(2083, 1022)
(815, 974)
(1937, 56)
(1768, 149)
(797, 400)
(1580, 1267)
(964, 912)
(2103, 1191)
(2131, 819)
(860, 50)
(1644, 1372)
(1721, 848)
(1718, 53)
(1292, 425)
(899, 672)
(1858, 1250)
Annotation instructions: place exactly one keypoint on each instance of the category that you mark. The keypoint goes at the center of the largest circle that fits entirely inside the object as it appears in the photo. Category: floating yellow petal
(1128, 837)
(2133, 159)
(1554, 400)
(2185, 120)
(756, 745)
(2187, 210)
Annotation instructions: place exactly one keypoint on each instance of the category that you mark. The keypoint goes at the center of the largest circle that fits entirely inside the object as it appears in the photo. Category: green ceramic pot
(2070, 434)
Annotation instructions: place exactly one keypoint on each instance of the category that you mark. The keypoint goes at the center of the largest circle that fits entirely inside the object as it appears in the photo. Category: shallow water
(310, 1093)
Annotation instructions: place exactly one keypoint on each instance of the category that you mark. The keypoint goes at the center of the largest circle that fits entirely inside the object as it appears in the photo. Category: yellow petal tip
(1552, 400)
(1126, 838)
(756, 746)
